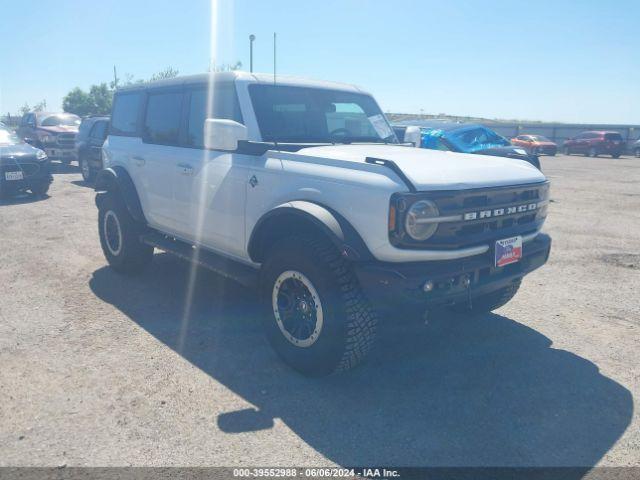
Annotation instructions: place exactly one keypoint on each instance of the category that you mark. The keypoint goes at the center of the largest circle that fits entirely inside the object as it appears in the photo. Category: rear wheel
(120, 236)
(315, 314)
(490, 301)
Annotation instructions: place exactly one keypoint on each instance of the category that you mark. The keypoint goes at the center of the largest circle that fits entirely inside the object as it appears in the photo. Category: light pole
(252, 37)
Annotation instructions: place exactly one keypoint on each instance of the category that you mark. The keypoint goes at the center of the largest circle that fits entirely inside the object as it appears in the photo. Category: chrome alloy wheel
(112, 232)
(297, 308)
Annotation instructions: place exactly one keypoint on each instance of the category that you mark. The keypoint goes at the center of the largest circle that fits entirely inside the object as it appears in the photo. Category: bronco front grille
(486, 215)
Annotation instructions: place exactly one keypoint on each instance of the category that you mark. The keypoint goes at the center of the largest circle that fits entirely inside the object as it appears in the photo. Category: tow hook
(465, 281)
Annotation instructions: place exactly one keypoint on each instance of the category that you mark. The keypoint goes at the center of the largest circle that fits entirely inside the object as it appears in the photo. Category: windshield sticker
(381, 126)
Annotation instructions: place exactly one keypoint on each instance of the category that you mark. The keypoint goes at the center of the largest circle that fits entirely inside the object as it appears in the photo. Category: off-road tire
(132, 256)
(88, 173)
(40, 189)
(490, 301)
(349, 322)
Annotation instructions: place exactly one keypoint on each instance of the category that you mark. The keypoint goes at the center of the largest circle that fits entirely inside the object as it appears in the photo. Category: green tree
(95, 102)
(168, 72)
(25, 108)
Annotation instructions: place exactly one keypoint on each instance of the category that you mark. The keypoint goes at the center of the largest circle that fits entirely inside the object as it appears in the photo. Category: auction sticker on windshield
(381, 126)
(508, 250)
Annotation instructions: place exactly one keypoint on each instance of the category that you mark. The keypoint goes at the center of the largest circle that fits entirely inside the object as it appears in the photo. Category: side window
(124, 120)
(225, 106)
(162, 119)
(99, 131)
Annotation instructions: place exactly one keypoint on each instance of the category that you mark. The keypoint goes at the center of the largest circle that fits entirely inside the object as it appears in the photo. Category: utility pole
(115, 78)
(274, 58)
(252, 38)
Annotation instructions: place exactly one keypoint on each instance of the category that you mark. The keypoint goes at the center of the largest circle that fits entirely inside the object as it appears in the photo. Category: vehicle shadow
(21, 199)
(457, 392)
(82, 183)
(61, 168)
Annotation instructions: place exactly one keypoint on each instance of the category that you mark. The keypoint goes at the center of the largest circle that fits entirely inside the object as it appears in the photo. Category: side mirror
(220, 134)
(30, 141)
(413, 135)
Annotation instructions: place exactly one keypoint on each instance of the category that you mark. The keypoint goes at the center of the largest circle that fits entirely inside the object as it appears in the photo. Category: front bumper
(454, 281)
(42, 175)
(56, 152)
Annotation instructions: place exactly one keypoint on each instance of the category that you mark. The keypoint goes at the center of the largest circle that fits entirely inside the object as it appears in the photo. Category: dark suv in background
(596, 143)
(91, 136)
(55, 133)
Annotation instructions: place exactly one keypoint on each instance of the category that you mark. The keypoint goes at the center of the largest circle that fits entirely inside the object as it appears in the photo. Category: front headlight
(421, 220)
(41, 155)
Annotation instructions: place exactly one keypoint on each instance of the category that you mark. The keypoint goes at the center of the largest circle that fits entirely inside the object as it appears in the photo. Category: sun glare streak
(202, 186)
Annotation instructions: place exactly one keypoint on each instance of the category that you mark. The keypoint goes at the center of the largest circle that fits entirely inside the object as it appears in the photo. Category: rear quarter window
(612, 136)
(124, 117)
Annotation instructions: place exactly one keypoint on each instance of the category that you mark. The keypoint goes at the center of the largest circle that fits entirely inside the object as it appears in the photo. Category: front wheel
(490, 301)
(40, 189)
(120, 236)
(315, 314)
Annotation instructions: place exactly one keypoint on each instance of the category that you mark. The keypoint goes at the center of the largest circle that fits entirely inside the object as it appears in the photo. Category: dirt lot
(99, 369)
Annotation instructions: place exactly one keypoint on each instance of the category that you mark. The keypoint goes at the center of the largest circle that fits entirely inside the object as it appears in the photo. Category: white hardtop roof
(246, 77)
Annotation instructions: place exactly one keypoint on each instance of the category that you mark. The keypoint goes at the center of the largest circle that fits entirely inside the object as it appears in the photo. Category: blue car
(465, 138)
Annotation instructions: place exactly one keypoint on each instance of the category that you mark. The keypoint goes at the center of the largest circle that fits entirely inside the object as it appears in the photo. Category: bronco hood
(437, 170)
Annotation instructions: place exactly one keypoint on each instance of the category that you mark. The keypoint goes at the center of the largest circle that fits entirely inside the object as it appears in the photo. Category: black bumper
(393, 283)
(43, 175)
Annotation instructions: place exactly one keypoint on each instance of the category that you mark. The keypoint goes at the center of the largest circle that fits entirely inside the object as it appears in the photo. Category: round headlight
(420, 221)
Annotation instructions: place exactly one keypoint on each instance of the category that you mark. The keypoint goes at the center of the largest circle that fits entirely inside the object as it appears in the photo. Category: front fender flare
(335, 227)
(117, 179)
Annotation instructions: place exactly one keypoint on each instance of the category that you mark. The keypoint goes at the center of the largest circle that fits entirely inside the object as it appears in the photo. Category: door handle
(185, 169)
(139, 161)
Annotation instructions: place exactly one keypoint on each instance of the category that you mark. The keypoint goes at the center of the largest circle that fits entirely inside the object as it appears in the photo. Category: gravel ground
(99, 369)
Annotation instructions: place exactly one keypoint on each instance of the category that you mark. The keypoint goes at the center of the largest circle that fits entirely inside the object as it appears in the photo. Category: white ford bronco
(300, 189)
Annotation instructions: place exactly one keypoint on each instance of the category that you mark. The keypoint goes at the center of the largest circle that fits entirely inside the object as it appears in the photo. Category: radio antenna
(275, 140)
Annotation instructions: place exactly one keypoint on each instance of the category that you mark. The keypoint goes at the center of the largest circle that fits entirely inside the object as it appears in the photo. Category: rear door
(160, 156)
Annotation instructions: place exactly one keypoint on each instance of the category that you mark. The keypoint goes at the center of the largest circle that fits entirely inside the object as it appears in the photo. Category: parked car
(535, 144)
(595, 143)
(55, 133)
(469, 138)
(300, 189)
(636, 148)
(89, 141)
(22, 166)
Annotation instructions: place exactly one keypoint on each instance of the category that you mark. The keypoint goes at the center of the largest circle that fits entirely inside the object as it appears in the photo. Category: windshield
(61, 120)
(7, 137)
(313, 115)
(475, 139)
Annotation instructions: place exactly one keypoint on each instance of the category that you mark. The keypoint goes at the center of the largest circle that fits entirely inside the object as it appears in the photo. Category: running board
(234, 270)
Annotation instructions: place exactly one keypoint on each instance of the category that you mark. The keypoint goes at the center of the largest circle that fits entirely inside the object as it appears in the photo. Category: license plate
(508, 250)
(13, 175)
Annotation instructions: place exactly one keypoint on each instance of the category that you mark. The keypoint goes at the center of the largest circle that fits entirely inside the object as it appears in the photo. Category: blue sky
(576, 61)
